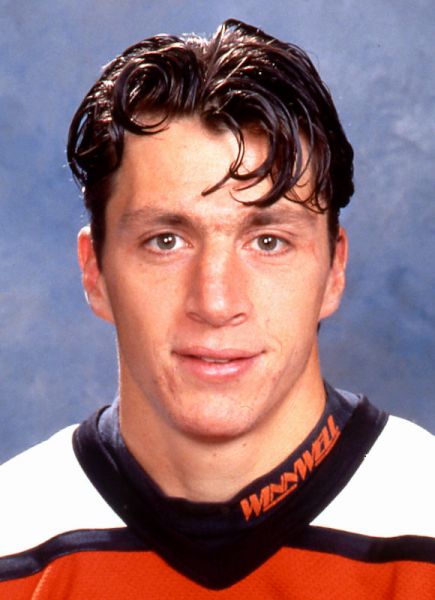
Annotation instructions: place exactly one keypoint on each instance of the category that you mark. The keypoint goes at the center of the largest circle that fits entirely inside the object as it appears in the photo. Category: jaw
(220, 400)
(187, 447)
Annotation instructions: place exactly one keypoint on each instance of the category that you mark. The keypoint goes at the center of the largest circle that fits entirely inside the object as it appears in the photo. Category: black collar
(216, 544)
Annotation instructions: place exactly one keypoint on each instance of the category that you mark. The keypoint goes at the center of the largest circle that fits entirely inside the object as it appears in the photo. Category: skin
(187, 277)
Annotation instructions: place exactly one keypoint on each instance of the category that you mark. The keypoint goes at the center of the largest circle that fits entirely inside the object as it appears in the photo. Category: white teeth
(215, 360)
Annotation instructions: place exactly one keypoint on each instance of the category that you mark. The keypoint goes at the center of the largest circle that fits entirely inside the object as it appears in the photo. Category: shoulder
(45, 493)
(392, 493)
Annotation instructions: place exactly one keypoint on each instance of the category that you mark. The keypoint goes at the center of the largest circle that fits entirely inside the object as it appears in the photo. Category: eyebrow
(257, 217)
(153, 215)
(280, 215)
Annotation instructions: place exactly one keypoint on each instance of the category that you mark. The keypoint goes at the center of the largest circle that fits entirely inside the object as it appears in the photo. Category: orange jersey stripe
(295, 574)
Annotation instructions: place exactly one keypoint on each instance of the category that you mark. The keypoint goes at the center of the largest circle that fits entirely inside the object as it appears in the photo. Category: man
(214, 172)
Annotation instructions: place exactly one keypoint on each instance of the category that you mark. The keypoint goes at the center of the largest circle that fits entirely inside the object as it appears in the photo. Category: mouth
(215, 360)
(216, 365)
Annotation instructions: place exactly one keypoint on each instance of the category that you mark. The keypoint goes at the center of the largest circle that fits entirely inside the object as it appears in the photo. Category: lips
(217, 366)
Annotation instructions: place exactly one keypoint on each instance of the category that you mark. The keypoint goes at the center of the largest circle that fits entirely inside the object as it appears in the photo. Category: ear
(93, 281)
(336, 278)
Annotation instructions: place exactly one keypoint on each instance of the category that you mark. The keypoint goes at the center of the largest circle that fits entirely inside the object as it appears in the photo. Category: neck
(198, 469)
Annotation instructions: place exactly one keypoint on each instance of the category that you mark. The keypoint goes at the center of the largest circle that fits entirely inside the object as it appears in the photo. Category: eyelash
(151, 243)
(283, 244)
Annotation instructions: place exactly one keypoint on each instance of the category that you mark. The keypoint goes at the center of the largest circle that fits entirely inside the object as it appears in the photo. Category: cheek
(289, 297)
(146, 294)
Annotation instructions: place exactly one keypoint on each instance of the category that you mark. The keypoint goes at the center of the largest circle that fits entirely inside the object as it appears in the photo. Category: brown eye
(166, 241)
(267, 243)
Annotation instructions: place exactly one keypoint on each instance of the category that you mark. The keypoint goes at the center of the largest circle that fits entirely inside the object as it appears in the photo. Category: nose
(218, 293)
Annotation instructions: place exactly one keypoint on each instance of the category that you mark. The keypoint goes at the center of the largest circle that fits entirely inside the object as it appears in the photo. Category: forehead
(188, 151)
(172, 170)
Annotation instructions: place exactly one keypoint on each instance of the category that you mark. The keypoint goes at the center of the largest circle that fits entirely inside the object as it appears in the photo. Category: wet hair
(238, 79)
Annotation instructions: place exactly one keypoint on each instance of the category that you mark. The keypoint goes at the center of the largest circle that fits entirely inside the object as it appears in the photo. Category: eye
(270, 243)
(164, 242)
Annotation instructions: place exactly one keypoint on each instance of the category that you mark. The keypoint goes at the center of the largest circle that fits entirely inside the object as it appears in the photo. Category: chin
(213, 428)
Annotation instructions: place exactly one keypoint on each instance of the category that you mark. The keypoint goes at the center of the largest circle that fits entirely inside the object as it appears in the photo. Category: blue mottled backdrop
(57, 362)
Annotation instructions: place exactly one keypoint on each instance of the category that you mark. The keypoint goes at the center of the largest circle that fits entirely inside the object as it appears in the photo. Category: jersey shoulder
(392, 493)
(46, 493)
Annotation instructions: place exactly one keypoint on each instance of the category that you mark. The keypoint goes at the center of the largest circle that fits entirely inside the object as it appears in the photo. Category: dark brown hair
(239, 78)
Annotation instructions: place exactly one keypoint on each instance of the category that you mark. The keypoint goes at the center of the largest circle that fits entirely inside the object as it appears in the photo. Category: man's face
(216, 304)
